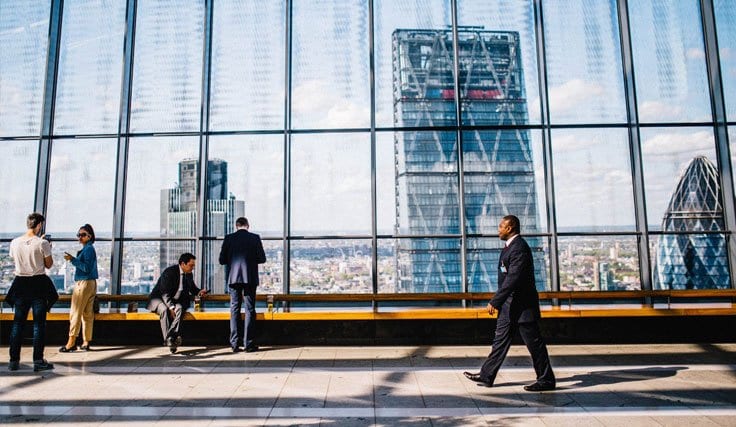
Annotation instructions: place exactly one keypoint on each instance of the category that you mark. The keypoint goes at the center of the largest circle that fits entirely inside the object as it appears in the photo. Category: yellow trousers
(82, 311)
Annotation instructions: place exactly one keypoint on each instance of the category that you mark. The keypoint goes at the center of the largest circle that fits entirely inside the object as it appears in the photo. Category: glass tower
(694, 261)
(497, 162)
(179, 216)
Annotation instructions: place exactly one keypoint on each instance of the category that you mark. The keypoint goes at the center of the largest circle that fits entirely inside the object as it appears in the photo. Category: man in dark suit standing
(241, 253)
(171, 297)
(517, 304)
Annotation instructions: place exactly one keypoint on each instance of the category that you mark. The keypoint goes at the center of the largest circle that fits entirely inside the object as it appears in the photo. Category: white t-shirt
(28, 254)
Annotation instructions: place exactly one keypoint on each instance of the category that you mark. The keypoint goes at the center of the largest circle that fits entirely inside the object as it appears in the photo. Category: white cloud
(570, 142)
(316, 103)
(656, 110)
(726, 53)
(667, 144)
(573, 94)
(695, 53)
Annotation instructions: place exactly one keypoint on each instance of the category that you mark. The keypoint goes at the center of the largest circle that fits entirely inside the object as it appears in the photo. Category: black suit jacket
(241, 253)
(517, 297)
(166, 288)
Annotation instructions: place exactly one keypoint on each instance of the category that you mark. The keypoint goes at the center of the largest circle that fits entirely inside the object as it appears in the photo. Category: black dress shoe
(537, 386)
(251, 349)
(236, 349)
(63, 349)
(478, 379)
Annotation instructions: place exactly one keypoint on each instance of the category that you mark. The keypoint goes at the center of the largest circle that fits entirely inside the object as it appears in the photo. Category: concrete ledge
(409, 314)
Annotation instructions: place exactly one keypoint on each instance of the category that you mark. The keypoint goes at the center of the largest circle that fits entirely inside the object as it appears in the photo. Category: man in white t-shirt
(32, 289)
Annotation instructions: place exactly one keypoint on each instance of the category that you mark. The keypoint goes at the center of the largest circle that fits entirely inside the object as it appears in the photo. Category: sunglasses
(82, 235)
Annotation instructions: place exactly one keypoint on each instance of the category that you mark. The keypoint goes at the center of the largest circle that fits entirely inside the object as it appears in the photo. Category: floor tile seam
(280, 411)
(296, 369)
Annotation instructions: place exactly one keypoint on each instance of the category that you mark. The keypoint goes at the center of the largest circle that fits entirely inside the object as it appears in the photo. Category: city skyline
(301, 106)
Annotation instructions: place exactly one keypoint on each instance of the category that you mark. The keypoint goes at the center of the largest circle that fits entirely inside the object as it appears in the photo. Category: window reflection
(599, 263)
(583, 61)
(90, 67)
(515, 18)
(254, 173)
(593, 187)
(669, 61)
(24, 30)
(62, 272)
(167, 75)
(270, 273)
(18, 161)
(667, 155)
(725, 11)
(390, 15)
(330, 85)
(162, 190)
(248, 42)
(330, 184)
(144, 261)
(81, 186)
(483, 256)
(690, 261)
(331, 266)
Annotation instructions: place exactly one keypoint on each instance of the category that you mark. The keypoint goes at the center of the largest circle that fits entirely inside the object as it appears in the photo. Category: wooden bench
(638, 304)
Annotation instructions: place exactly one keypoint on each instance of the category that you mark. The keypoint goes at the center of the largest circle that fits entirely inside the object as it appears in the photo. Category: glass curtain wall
(411, 125)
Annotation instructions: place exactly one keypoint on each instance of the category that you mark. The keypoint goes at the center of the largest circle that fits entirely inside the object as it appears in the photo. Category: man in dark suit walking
(241, 253)
(517, 304)
(171, 297)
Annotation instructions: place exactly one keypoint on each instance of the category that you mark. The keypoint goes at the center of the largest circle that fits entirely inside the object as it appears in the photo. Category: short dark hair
(514, 223)
(241, 222)
(34, 219)
(186, 257)
(91, 231)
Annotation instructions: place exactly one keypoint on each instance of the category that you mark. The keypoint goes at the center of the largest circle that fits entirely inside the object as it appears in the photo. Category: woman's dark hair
(91, 231)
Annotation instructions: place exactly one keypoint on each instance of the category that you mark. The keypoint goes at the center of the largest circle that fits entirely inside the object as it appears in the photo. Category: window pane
(7, 266)
(270, 274)
(681, 181)
(81, 186)
(690, 261)
(143, 263)
(389, 16)
(331, 266)
(504, 174)
(167, 75)
(426, 187)
(428, 265)
(669, 61)
(732, 145)
(498, 62)
(90, 67)
(725, 11)
(599, 263)
(24, 31)
(248, 42)
(482, 262)
(18, 161)
(162, 188)
(584, 68)
(416, 177)
(330, 86)
(62, 272)
(330, 184)
(252, 173)
(593, 184)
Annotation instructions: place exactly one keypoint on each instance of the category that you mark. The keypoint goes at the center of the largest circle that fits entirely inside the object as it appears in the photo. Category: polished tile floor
(621, 385)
